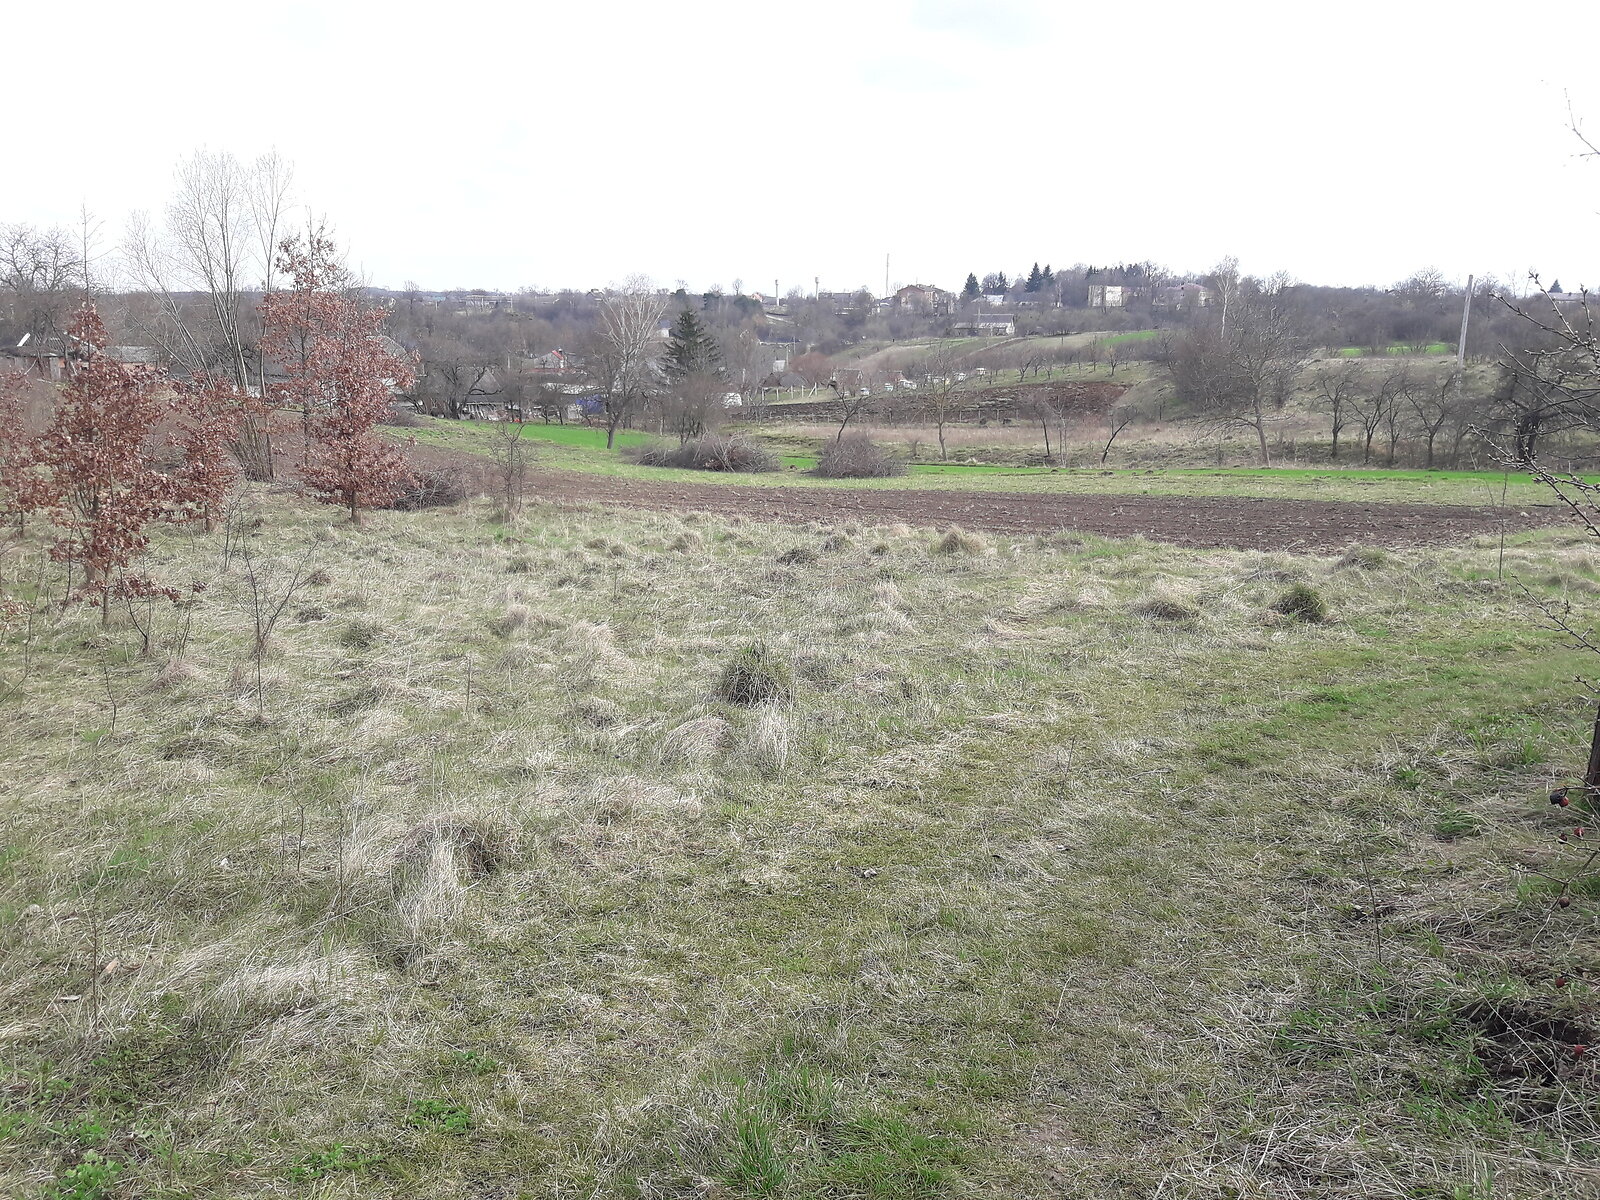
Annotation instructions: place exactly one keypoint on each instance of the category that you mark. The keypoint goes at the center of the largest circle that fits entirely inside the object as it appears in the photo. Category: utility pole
(1466, 312)
(1461, 346)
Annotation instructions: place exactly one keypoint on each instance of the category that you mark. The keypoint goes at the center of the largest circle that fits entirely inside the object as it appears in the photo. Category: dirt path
(1239, 523)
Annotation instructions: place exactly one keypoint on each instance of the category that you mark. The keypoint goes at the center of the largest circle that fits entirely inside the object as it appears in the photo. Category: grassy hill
(624, 855)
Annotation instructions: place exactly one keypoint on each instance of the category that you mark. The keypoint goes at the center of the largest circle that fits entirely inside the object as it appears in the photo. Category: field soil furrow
(1233, 522)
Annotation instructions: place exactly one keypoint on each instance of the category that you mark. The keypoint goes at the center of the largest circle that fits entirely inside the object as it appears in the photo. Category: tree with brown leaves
(93, 472)
(339, 373)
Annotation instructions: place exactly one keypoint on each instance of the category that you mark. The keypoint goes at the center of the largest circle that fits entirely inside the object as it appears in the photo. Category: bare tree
(510, 453)
(622, 354)
(945, 392)
(453, 373)
(267, 189)
(1371, 406)
(218, 241)
(693, 406)
(1332, 389)
(852, 405)
(40, 270)
(1239, 374)
(1399, 383)
(1433, 401)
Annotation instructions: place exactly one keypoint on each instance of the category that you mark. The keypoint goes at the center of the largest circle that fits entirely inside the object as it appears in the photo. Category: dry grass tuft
(798, 556)
(1364, 558)
(765, 742)
(958, 541)
(756, 676)
(1164, 604)
(695, 741)
(597, 712)
(512, 619)
(1302, 602)
(477, 846)
(175, 673)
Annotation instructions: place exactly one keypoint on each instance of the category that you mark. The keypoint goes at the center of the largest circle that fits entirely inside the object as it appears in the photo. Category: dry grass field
(613, 854)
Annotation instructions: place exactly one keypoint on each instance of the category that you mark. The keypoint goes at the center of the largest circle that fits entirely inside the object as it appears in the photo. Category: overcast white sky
(553, 143)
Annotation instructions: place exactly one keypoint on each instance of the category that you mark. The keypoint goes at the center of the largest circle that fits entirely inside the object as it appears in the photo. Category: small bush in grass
(440, 1114)
(1302, 602)
(755, 676)
(856, 456)
(958, 541)
(432, 488)
(798, 556)
(320, 1164)
(714, 452)
(91, 1179)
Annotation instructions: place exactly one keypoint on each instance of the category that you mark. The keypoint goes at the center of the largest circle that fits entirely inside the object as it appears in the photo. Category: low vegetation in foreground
(624, 855)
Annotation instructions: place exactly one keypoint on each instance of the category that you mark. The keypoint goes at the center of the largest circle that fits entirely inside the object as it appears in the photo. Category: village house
(1182, 296)
(1107, 295)
(552, 362)
(925, 300)
(986, 325)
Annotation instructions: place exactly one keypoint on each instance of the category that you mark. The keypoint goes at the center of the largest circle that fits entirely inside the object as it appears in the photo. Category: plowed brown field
(1239, 523)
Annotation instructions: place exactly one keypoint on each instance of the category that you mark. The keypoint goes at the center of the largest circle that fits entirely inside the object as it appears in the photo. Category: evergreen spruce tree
(970, 292)
(1000, 282)
(1049, 277)
(691, 350)
(1035, 278)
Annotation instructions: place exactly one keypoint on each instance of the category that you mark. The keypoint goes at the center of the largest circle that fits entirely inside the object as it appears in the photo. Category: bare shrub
(856, 456)
(432, 488)
(713, 452)
(404, 418)
(510, 453)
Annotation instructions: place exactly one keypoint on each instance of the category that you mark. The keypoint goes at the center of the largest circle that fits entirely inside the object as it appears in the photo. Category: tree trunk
(1591, 777)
